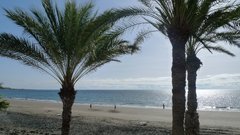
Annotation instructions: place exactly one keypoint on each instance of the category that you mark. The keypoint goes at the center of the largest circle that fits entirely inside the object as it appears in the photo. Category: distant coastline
(2, 87)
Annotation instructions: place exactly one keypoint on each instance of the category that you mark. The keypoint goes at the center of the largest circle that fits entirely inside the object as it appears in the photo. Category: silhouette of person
(163, 106)
(115, 107)
(90, 106)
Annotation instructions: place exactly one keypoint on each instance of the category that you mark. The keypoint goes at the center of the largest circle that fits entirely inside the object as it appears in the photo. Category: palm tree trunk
(178, 84)
(67, 95)
(191, 117)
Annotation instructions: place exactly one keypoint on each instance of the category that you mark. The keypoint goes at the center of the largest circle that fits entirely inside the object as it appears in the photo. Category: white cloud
(129, 83)
(221, 81)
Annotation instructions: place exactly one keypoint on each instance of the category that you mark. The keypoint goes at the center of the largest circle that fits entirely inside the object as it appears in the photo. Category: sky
(148, 69)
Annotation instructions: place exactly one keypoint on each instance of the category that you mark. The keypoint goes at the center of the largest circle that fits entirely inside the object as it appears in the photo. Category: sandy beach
(41, 117)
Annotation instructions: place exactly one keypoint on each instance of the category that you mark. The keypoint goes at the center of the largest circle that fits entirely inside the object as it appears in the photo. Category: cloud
(221, 81)
(129, 83)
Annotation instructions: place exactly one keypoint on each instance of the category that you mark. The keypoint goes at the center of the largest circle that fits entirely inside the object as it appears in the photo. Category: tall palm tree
(206, 39)
(179, 20)
(65, 44)
(193, 64)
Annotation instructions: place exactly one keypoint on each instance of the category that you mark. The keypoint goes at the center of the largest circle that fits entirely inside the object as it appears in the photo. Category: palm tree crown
(66, 44)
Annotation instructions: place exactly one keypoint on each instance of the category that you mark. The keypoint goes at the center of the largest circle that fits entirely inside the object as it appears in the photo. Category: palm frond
(220, 50)
(67, 44)
(26, 52)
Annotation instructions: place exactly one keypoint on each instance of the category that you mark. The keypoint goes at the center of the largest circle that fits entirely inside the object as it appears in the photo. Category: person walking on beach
(115, 107)
(90, 106)
(163, 106)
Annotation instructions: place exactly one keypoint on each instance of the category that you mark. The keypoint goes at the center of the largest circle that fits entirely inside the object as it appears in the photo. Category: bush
(3, 104)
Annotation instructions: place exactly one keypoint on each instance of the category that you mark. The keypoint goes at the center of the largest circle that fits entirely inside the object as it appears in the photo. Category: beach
(43, 117)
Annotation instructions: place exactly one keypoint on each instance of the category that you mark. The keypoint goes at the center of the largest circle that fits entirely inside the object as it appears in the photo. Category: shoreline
(203, 109)
(41, 117)
(207, 118)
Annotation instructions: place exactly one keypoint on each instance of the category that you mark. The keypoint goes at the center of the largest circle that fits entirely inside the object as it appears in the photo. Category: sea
(208, 99)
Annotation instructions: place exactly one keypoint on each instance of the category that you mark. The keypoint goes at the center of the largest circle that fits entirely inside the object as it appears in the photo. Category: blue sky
(149, 69)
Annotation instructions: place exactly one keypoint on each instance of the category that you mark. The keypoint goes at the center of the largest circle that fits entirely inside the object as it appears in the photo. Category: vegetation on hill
(1, 87)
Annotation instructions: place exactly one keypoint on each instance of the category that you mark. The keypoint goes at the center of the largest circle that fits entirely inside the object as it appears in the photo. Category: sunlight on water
(218, 99)
(208, 99)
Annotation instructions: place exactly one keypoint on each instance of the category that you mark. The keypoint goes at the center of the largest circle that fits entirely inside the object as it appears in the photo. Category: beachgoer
(163, 106)
(115, 107)
(90, 106)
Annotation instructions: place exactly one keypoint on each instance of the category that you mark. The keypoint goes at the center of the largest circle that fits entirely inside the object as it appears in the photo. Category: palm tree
(179, 20)
(65, 44)
(207, 37)
(193, 64)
